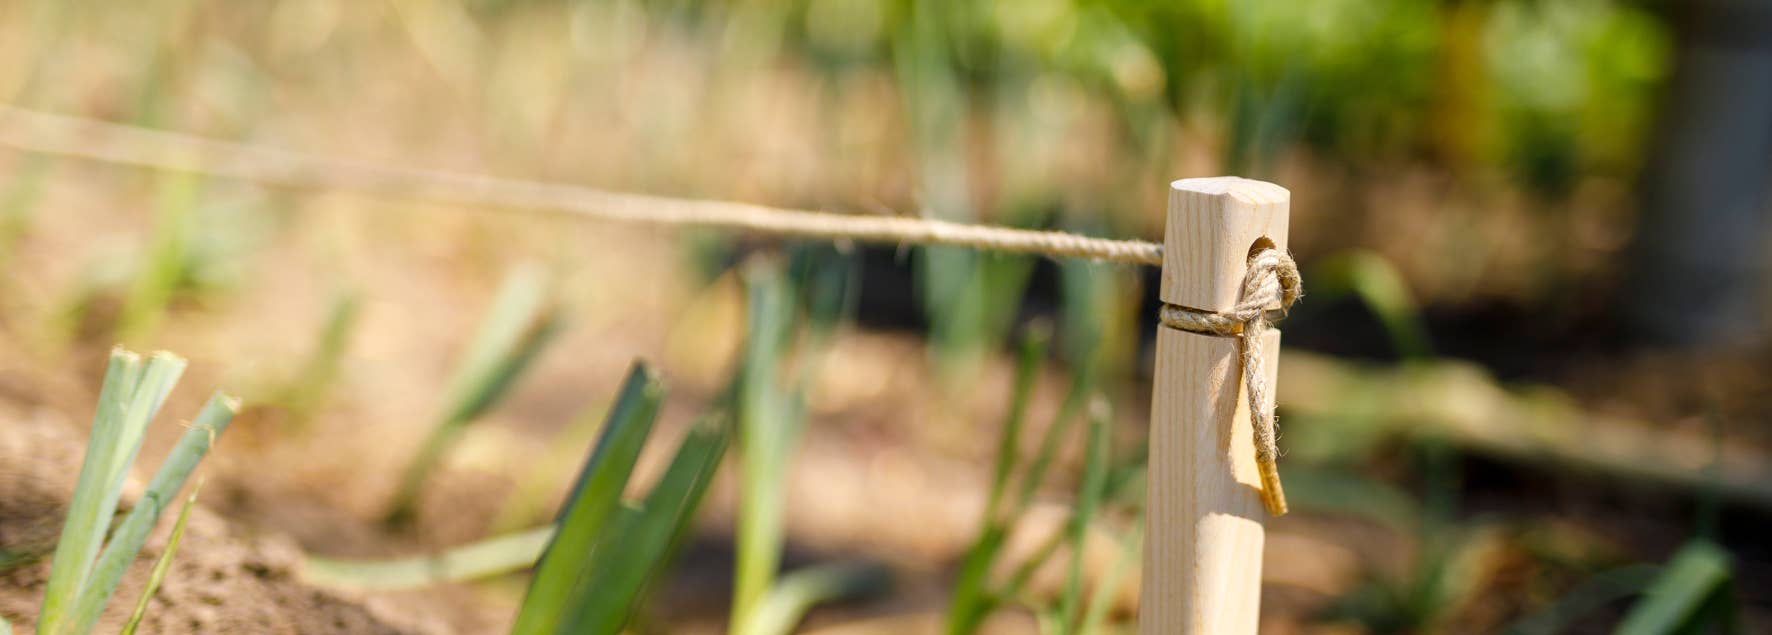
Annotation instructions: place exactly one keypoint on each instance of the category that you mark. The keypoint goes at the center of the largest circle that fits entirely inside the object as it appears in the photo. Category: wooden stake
(1202, 562)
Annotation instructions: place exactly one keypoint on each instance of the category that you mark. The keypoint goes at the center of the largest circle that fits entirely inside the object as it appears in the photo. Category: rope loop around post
(1271, 282)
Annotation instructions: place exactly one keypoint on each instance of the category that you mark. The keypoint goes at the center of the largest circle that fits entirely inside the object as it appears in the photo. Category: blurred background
(1527, 390)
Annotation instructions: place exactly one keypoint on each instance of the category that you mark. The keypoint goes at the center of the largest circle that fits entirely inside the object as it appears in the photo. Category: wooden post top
(1212, 226)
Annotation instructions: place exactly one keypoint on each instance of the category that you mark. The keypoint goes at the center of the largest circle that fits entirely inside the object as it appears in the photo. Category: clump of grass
(522, 322)
(83, 577)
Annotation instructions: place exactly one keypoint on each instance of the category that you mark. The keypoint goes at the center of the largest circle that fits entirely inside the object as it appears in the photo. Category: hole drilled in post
(1261, 244)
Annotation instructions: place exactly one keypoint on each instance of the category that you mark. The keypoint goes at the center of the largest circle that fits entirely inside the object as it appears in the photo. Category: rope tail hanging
(1272, 280)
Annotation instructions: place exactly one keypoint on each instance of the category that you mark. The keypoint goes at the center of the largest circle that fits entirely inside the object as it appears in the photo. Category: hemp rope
(46, 133)
(1272, 279)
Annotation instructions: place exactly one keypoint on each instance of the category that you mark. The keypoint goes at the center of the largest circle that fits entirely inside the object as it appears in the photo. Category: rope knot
(1272, 282)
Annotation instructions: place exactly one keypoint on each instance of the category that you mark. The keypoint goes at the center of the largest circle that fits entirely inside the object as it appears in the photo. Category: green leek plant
(976, 595)
(769, 423)
(91, 557)
(771, 416)
(522, 322)
(1693, 593)
(159, 277)
(308, 389)
(595, 562)
(596, 568)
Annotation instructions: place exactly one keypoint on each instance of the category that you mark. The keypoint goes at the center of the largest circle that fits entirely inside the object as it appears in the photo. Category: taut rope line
(46, 133)
(1272, 280)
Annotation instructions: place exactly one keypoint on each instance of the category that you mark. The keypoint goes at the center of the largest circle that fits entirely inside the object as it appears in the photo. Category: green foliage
(18, 204)
(1014, 482)
(630, 559)
(771, 417)
(82, 578)
(164, 564)
(485, 558)
(1691, 594)
(312, 384)
(595, 499)
(596, 568)
(1379, 285)
(1093, 488)
(160, 275)
(796, 593)
(769, 423)
(972, 600)
(520, 325)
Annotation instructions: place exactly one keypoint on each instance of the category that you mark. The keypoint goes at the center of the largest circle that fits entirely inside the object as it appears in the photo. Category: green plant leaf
(473, 561)
(1376, 283)
(308, 389)
(127, 541)
(520, 325)
(1675, 601)
(615, 579)
(1097, 456)
(157, 279)
(1095, 618)
(971, 600)
(594, 499)
(131, 395)
(769, 422)
(162, 565)
(787, 603)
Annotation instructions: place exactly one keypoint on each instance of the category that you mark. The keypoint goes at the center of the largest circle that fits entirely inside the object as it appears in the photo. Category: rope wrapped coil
(1272, 280)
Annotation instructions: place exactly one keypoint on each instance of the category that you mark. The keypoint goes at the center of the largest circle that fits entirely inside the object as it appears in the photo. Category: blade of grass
(157, 279)
(1027, 366)
(789, 601)
(162, 565)
(1097, 455)
(594, 499)
(519, 326)
(971, 601)
(1095, 618)
(1674, 601)
(482, 559)
(127, 541)
(18, 204)
(613, 582)
(768, 429)
(1035, 474)
(319, 373)
(1376, 283)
